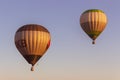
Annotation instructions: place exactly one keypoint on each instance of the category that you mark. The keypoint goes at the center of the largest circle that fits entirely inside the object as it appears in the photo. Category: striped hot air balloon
(93, 22)
(32, 41)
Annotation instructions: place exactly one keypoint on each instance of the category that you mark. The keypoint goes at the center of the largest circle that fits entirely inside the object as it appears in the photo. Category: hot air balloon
(93, 22)
(32, 41)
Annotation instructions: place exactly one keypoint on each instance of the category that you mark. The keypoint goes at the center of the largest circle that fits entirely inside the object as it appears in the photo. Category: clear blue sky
(71, 55)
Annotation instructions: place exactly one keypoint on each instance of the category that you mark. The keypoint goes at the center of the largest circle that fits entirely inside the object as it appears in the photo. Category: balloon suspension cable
(93, 42)
(32, 68)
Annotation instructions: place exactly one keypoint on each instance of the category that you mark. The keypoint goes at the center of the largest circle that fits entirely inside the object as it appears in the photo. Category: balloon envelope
(93, 22)
(32, 41)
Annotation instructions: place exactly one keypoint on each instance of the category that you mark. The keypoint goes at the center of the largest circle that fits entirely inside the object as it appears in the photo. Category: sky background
(71, 55)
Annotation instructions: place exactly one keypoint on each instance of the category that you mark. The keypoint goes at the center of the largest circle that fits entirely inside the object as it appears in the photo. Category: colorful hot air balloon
(93, 22)
(32, 41)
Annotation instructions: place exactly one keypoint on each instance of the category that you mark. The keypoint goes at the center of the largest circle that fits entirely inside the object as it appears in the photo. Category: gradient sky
(71, 55)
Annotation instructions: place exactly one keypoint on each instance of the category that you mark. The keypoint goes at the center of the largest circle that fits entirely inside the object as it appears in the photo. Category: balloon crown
(93, 10)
